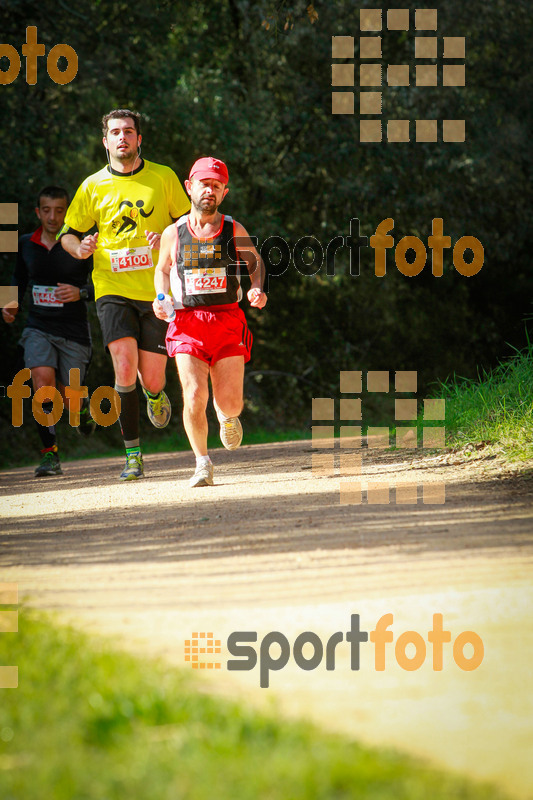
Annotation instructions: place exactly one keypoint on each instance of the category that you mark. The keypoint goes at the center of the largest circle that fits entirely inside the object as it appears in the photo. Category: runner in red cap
(200, 259)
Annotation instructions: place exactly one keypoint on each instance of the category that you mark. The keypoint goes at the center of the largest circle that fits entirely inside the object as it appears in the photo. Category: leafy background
(251, 83)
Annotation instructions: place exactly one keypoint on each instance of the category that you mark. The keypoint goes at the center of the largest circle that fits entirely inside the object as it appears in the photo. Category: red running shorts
(210, 333)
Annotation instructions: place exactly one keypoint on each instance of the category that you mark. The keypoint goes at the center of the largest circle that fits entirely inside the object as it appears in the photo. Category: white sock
(220, 416)
(203, 461)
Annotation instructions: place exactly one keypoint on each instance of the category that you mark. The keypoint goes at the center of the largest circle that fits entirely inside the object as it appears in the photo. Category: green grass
(497, 409)
(88, 723)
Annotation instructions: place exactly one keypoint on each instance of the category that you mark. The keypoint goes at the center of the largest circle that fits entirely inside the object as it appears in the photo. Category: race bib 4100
(130, 258)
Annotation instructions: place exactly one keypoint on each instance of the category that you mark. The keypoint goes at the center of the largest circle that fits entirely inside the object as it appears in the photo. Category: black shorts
(120, 317)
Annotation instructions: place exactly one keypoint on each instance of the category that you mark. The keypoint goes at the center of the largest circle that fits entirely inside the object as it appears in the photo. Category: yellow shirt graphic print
(123, 206)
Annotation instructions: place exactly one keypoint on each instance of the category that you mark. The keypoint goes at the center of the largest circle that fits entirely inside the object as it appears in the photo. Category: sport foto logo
(32, 50)
(371, 78)
(308, 649)
(200, 645)
(17, 390)
(309, 253)
(350, 438)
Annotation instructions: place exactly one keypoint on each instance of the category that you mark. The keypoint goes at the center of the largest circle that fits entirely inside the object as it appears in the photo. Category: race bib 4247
(205, 281)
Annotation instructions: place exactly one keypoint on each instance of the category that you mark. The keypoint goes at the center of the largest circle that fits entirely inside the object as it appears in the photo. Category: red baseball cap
(209, 168)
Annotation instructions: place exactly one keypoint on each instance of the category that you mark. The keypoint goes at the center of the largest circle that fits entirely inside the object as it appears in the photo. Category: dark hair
(122, 113)
(55, 192)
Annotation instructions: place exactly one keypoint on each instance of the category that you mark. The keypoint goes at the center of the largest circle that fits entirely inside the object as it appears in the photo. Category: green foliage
(212, 78)
(90, 723)
(496, 409)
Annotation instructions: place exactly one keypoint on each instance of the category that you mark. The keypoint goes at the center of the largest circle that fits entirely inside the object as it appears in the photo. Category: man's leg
(50, 465)
(194, 376)
(152, 376)
(75, 356)
(125, 358)
(227, 377)
(78, 406)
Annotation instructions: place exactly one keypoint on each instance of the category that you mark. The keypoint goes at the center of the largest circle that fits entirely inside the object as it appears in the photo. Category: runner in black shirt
(57, 335)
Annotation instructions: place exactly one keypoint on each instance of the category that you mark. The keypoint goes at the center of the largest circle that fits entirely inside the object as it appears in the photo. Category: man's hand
(67, 293)
(9, 313)
(158, 308)
(257, 298)
(88, 245)
(153, 239)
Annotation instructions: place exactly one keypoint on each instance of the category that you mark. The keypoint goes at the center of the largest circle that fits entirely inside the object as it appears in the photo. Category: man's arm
(77, 247)
(168, 246)
(68, 293)
(20, 280)
(254, 264)
(71, 293)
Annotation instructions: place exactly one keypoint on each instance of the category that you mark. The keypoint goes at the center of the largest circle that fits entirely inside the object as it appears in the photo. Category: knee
(43, 376)
(195, 399)
(153, 384)
(125, 369)
(230, 406)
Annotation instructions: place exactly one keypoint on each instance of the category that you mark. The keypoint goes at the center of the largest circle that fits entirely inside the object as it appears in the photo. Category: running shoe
(203, 476)
(87, 424)
(50, 465)
(133, 469)
(158, 409)
(231, 433)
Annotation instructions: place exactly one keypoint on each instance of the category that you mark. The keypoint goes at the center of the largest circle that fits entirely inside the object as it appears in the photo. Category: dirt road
(271, 548)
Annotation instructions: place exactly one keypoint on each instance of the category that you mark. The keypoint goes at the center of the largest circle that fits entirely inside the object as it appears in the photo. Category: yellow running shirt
(123, 207)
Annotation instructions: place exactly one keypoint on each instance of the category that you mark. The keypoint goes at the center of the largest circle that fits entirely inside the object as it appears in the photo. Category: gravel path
(271, 548)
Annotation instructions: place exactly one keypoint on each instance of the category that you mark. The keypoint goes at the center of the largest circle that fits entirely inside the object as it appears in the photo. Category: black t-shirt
(39, 269)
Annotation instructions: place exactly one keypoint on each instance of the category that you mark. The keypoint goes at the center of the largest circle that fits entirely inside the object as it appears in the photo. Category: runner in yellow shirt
(130, 201)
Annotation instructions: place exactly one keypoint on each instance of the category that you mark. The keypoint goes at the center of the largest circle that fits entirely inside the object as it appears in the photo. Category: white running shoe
(203, 476)
(231, 433)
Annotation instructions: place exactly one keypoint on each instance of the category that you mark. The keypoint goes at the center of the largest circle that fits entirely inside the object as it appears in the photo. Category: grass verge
(88, 723)
(497, 409)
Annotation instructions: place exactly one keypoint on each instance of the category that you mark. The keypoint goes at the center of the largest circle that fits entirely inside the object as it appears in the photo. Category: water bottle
(168, 306)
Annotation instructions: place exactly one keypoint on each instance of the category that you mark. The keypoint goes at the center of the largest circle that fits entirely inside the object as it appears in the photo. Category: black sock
(129, 412)
(47, 434)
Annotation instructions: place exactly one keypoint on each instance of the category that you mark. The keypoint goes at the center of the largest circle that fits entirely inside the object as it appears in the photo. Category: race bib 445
(45, 296)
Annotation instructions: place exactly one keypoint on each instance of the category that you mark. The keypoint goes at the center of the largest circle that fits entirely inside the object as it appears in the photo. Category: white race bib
(130, 258)
(45, 296)
(211, 280)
